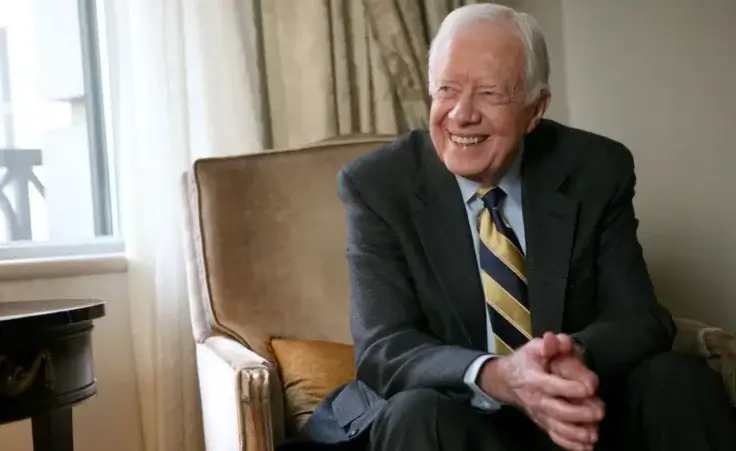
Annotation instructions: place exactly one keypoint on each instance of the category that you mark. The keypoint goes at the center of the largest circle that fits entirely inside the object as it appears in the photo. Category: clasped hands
(547, 379)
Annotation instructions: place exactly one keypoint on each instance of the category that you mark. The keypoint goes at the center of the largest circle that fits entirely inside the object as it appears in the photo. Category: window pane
(53, 171)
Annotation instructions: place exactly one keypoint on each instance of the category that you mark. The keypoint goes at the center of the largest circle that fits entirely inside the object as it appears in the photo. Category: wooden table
(46, 365)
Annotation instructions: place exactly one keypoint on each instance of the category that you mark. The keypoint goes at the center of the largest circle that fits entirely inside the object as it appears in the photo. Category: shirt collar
(509, 181)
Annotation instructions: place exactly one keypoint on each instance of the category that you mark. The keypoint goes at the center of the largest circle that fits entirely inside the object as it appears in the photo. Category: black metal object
(46, 366)
(52, 431)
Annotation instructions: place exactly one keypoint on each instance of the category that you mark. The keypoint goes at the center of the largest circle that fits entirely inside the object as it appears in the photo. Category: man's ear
(539, 107)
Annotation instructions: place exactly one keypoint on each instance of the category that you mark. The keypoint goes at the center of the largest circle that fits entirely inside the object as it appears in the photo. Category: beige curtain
(404, 30)
(320, 72)
(324, 68)
(180, 90)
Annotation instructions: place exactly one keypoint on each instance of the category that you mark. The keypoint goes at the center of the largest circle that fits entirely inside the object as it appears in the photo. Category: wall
(659, 76)
(548, 14)
(110, 420)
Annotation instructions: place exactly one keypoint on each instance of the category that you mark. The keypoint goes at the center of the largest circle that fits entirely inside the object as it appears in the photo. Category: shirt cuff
(480, 399)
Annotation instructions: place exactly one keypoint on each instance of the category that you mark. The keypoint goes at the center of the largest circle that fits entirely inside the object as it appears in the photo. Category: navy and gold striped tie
(503, 274)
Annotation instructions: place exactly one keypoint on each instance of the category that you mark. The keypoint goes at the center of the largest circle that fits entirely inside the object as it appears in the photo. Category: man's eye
(444, 91)
(495, 97)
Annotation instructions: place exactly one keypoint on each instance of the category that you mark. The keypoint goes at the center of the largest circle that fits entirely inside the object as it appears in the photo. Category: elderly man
(500, 300)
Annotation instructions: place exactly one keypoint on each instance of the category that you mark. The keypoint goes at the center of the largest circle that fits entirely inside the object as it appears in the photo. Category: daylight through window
(55, 194)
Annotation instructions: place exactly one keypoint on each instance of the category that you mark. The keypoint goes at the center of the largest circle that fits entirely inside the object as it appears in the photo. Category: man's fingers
(573, 369)
(568, 444)
(571, 437)
(584, 434)
(566, 343)
(553, 385)
(555, 344)
(594, 403)
(550, 345)
(570, 411)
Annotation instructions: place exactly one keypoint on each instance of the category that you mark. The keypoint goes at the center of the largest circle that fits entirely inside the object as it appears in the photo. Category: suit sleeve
(394, 348)
(631, 326)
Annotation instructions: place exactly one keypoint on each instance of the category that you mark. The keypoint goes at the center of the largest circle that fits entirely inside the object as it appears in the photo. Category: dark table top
(46, 364)
(48, 313)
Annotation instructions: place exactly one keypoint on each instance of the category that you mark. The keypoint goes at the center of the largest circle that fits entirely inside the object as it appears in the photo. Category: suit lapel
(549, 222)
(441, 221)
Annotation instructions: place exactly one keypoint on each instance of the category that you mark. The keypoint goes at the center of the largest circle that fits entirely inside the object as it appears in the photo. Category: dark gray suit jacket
(417, 303)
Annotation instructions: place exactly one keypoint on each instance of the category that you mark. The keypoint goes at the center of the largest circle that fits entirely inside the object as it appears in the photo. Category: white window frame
(108, 239)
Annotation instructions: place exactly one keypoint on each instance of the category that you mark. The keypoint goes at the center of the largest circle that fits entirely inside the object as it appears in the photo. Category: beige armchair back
(266, 257)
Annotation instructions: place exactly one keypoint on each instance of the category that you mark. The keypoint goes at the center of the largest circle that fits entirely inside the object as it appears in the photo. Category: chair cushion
(310, 370)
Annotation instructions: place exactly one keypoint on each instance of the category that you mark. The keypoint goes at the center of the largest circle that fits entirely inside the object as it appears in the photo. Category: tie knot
(491, 197)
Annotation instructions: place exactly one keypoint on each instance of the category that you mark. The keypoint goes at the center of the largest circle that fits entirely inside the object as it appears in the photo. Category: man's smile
(467, 140)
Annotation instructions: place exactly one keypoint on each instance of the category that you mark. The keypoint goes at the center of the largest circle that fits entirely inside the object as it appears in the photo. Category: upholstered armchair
(265, 259)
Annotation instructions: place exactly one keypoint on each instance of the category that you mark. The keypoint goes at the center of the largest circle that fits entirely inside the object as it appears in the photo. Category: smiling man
(500, 300)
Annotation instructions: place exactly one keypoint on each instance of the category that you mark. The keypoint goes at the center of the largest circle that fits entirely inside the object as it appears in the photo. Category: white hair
(535, 46)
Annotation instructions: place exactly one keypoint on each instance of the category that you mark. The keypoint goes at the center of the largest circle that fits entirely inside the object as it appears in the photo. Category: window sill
(67, 266)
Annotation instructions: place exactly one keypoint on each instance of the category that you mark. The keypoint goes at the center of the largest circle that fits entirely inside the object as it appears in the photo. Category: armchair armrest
(241, 397)
(714, 344)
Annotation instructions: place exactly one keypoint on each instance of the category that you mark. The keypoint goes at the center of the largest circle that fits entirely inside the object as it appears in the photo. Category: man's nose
(464, 112)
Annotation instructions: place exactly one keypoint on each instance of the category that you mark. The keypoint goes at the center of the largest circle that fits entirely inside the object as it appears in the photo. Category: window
(56, 196)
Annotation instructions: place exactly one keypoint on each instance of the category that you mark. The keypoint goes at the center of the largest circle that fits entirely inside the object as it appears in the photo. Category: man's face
(479, 113)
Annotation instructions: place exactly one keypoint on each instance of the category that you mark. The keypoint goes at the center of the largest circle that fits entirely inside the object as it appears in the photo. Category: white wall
(659, 76)
(548, 14)
(110, 420)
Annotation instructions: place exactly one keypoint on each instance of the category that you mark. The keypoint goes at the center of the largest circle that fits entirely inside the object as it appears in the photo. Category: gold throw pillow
(310, 370)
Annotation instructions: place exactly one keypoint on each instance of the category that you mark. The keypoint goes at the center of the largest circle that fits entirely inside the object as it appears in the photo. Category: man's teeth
(468, 140)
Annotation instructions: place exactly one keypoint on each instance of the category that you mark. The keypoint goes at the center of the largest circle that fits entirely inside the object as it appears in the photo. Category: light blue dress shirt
(512, 210)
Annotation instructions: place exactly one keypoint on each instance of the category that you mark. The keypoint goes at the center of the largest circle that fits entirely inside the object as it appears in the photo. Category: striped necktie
(503, 274)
